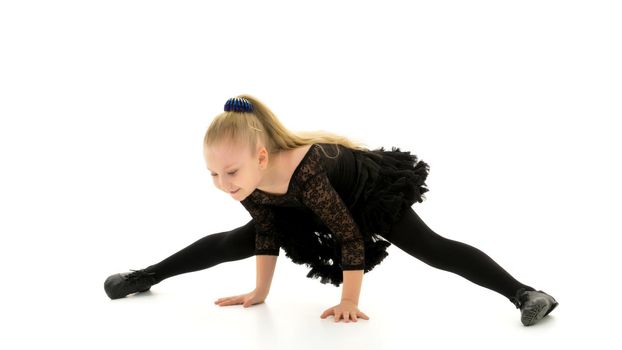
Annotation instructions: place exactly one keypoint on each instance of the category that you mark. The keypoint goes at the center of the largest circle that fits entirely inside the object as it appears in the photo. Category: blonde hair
(262, 124)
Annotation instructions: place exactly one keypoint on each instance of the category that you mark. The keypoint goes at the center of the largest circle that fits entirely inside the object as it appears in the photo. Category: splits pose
(330, 204)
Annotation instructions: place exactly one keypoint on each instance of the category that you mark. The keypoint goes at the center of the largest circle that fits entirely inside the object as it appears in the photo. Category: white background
(515, 106)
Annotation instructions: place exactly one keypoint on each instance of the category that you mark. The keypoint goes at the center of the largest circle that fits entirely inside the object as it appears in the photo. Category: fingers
(228, 301)
(345, 316)
(336, 315)
(326, 313)
(236, 300)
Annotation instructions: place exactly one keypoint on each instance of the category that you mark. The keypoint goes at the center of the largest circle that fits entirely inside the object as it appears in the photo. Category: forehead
(224, 155)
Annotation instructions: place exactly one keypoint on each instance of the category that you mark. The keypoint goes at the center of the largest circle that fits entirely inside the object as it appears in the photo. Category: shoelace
(137, 274)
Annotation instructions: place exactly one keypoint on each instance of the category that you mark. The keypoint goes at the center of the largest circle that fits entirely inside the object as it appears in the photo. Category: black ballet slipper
(122, 284)
(534, 305)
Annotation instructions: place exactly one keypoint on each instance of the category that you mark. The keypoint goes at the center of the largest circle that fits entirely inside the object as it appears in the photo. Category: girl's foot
(534, 305)
(121, 284)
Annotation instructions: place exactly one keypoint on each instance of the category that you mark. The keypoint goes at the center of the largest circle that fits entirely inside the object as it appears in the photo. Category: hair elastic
(238, 104)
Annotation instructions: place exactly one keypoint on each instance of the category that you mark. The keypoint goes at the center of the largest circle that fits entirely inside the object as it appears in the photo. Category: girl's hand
(346, 309)
(246, 300)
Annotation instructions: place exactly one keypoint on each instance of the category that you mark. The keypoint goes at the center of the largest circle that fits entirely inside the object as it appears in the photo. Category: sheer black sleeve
(266, 239)
(319, 195)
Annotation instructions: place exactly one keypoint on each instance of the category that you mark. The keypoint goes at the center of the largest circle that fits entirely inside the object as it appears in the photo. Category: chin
(237, 196)
(239, 199)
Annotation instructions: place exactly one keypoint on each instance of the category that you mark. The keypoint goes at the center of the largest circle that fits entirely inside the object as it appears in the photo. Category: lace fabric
(310, 187)
(319, 196)
(339, 204)
(266, 239)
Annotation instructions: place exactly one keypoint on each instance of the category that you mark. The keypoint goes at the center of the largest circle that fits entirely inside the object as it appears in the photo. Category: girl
(331, 204)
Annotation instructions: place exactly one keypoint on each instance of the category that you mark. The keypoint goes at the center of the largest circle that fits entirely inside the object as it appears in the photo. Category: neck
(273, 175)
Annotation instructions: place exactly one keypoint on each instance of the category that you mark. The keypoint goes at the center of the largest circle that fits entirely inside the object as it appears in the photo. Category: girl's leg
(414, 237)
(208, 251)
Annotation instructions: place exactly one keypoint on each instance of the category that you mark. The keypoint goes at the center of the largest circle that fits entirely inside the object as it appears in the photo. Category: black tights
(410, 234)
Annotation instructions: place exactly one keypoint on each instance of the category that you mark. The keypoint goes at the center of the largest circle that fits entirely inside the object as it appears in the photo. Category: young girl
(331, 204)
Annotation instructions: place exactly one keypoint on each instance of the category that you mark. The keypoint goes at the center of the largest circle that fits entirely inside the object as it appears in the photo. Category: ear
(263, 158)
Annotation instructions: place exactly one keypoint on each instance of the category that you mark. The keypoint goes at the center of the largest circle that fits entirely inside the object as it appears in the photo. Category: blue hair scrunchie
(238, 104)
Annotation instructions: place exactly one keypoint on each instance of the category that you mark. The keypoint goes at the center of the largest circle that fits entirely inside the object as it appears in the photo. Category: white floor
(435, 309)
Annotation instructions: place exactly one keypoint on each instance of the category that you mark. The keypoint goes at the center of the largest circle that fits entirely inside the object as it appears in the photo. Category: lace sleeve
(319, 195)
(266, 239)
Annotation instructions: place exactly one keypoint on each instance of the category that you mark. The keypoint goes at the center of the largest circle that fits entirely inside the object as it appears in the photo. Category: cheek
(252, 180)
(217, 181)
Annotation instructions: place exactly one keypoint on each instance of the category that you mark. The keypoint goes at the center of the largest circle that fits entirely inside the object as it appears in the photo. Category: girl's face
(234, 170)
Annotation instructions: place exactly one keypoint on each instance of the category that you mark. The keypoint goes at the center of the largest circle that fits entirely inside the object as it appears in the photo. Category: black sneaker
(534, 305)
(121, 284)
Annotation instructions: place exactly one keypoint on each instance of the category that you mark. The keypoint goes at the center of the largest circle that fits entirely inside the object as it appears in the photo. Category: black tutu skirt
(386, 183)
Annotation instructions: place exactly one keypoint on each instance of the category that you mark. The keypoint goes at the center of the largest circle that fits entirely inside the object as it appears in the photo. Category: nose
(220, 185)
(224, 187)
(227, 188)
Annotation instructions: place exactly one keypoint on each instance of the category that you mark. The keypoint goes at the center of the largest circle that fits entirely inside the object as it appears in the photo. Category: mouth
(236, 191)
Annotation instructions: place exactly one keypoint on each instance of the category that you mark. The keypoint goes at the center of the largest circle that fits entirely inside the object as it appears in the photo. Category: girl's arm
(348, 307)
(352, 280)
(265, 271)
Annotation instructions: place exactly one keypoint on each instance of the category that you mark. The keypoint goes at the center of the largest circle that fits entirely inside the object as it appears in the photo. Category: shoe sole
(531, 317)
(119, 296)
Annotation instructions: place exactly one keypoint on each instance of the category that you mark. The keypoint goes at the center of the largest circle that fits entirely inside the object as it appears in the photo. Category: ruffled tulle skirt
(387, 183)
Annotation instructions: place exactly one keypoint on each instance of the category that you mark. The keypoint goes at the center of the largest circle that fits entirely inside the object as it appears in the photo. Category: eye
(230, 173)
